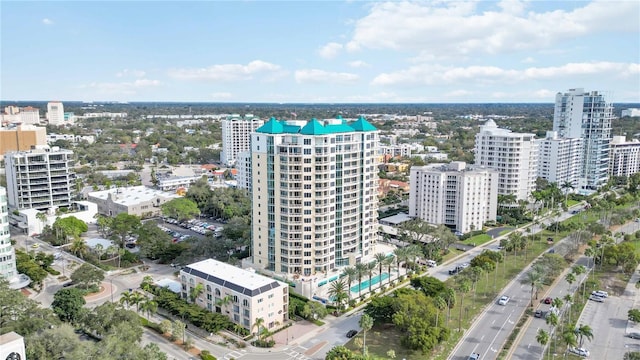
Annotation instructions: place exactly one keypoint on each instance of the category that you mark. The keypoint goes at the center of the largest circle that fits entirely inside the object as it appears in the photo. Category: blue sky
(318, 51)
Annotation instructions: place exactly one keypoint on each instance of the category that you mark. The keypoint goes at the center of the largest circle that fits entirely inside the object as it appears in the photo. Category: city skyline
(319, 52)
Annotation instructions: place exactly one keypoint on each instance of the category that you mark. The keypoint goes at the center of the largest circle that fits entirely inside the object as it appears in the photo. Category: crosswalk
(296, 353)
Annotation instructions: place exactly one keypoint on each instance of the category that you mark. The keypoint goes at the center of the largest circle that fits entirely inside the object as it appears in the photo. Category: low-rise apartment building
(135, 200)
(249, 296)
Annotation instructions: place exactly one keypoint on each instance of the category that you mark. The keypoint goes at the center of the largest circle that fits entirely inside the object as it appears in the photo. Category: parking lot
(180, 231)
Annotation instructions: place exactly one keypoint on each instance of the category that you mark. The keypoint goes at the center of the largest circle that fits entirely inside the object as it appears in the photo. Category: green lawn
(570, 202)
(477, 240)
(452, 253)
(380, 339)
(505, 231)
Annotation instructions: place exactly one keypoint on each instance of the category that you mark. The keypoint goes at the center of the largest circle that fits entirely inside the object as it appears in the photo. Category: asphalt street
(490, 330)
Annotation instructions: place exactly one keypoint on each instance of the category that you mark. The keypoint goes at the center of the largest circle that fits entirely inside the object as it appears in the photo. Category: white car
(579, 351)
(600, 293)
(596, 298)
(503, 300)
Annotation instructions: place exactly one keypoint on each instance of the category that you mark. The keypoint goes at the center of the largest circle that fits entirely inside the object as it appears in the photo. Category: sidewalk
(632, 293)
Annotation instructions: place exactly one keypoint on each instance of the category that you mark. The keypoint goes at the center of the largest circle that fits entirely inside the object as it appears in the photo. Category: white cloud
(131, 73)
(321, 76)
(358, 64)
(528, 60)
(458, 93)
(459, 28)
(227, 72)
(47, 21)
(428, 74)
(221, 96)
(124, 88)
(544, 94)
(330, 50)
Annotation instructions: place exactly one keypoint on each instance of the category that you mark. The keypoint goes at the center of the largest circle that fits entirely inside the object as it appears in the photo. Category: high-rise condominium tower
(314, 192)
(41, 178)
(55, 113)
(7, 255)
(236, 134)
(587, 116)
(513, 155)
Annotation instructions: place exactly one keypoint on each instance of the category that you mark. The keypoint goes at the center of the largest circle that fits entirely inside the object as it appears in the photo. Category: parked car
(548, 300)
(503, 300)
(601, 293)
(539, 313)
(579, 351)
(634, 335)
(351, 333)
(455, 270)
(596, 298)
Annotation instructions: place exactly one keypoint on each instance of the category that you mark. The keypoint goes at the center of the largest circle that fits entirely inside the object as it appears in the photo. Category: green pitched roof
(271, 127)
(362, 125)
(313, 127)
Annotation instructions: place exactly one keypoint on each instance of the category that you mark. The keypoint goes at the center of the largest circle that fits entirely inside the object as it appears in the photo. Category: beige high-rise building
(21, 138)
(513, 155)
(55, 113)
(236, 134)
(456, 195)
(314, 192)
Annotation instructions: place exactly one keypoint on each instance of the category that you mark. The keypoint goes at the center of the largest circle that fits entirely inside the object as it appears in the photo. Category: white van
(431, 263)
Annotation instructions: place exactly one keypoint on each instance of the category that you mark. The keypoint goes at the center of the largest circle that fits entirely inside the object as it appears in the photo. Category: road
(334, 335)
(528, 348)
(491, 329)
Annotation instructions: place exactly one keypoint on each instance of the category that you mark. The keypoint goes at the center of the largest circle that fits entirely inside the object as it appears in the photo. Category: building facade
(41, 179)
(560, 159)
(586, 115)
(7, 254)
(243, 165)
(22, 138)
(513, 155)
(460, 197)
(248, 295)
(624, 156)
(55, 113)
(236, 135)
(314, 193)
(135, 200)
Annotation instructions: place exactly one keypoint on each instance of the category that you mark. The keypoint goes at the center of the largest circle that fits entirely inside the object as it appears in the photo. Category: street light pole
(111, 283)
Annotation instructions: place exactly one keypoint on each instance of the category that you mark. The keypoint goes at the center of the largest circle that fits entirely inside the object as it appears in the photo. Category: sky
(319, 51)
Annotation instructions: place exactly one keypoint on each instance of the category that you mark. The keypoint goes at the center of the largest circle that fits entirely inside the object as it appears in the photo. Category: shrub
(206, 355)
(53, 271)
(151, 325)
(264, 343)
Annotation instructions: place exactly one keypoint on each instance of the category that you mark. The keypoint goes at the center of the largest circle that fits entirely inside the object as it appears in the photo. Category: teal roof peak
(363, 125)
(313, 127)
(271, 127)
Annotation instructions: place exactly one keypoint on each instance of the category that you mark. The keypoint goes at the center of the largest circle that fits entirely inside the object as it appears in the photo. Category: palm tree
(258, 324)
(440, 304)
(99, 249)
(389, 262)
(222, 303)
(533, 277)
(351, 274)
(126, 299)
(401, 255)
(79, 248)
(136, 299)
(149, 306)
(567, 299)
(542, 337)
(569, 337)
(146, 283)
(370, 268)
(195, 292)
(43, 219)
(566, 186)
(366, 323)
(463, 286)
(361, 269)
(380, 261)
(552, 320)
(338, 291)
(584, 331)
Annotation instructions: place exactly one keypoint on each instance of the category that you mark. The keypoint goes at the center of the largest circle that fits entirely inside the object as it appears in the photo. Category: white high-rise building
(41, 178)
(624, 156)
(587, 116)
(314, 193)
(236, 135)
(243, 165)
(560, 160)
(513, 155)
(7, 254)
(55, 113)
(460, 197)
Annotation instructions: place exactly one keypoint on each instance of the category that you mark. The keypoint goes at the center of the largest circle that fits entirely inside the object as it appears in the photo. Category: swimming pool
(365, 284)
(324, 282)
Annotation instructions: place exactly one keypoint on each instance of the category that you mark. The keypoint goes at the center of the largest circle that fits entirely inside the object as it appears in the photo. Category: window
(245, 303)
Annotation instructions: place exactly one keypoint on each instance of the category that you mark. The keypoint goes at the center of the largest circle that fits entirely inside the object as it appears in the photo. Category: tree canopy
(181, 209)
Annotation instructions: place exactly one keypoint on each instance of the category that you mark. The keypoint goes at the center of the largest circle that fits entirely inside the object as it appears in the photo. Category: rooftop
(131, 195)
(229, 276)
(396, 219)
(315, 127)
(9, 337)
